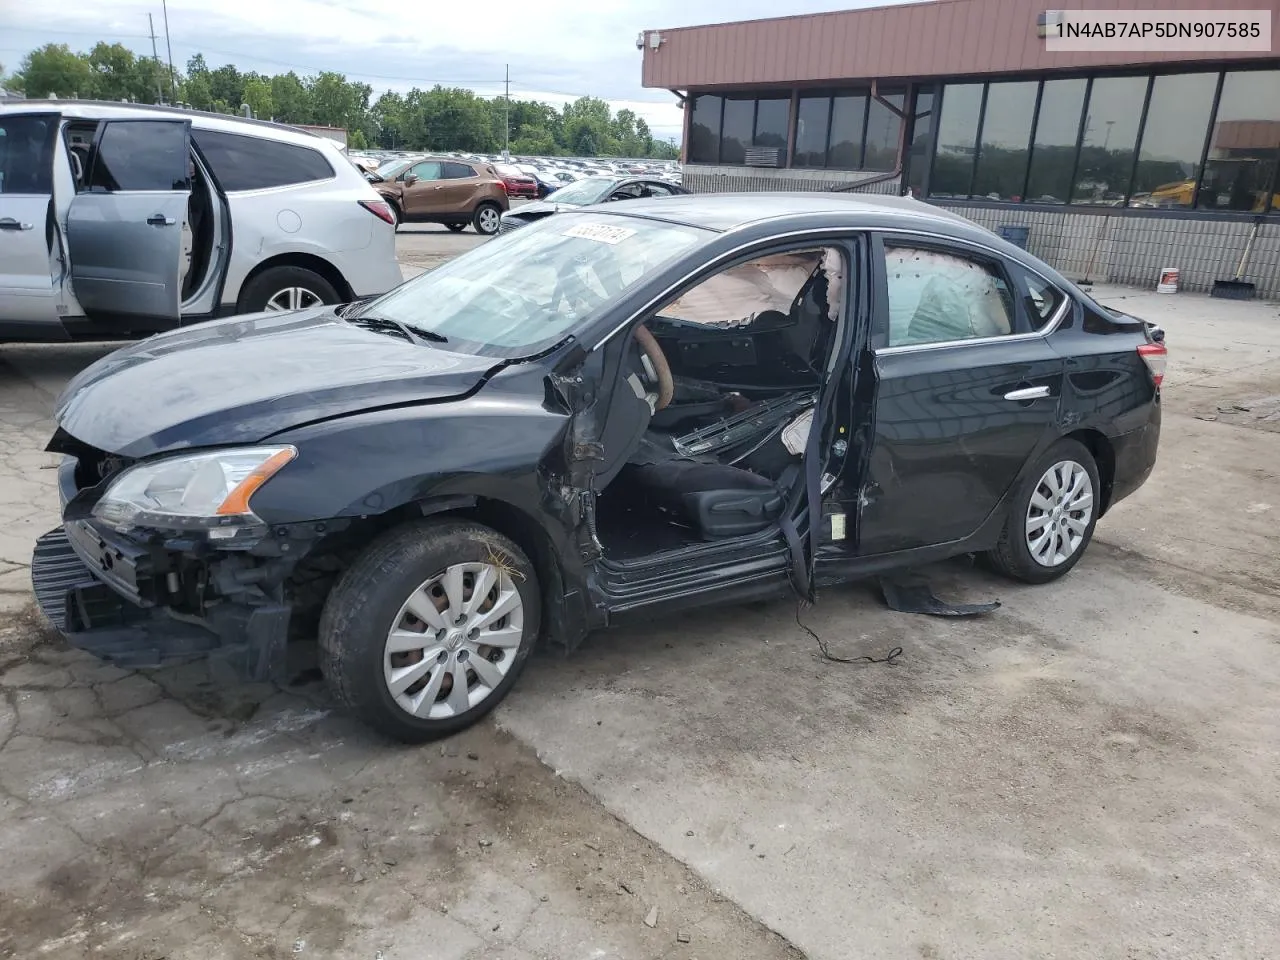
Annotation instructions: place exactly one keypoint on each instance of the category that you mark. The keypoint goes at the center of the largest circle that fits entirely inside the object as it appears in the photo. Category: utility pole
(155, 58)
(173, 90)
(506, 140)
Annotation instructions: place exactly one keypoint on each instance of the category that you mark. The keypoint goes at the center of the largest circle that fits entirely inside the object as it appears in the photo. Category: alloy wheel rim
(488, 220)
(293, 298)
(1059, 513)
(453, 641)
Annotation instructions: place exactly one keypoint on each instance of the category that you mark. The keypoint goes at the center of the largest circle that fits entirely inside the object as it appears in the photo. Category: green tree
(336, 102)
(357, 141)
(54, 69)
(226, 84)
(456, 119)
(257, 94)
(290, 98)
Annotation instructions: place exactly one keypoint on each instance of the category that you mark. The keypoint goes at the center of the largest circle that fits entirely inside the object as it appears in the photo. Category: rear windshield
(523, 292)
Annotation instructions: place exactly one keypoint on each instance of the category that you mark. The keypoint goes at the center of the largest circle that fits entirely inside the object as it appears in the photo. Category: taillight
(1155, 356)
(503, 185)
(380, 209)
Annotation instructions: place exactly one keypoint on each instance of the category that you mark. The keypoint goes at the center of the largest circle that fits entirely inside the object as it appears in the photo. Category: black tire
(1012, 555)
(259, 291)
(359, 611)
(456, 227)
(482, 214)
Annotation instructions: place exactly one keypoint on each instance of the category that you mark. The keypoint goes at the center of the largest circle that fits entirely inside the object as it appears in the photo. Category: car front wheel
(1052, 516)
(486, 219)
(427, 631)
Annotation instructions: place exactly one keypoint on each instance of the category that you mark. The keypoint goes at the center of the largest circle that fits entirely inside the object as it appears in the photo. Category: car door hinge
(588, 542)
(588, 450)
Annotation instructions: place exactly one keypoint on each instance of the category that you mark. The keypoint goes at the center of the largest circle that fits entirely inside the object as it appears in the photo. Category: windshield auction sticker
(599, 232)
(1164, 30)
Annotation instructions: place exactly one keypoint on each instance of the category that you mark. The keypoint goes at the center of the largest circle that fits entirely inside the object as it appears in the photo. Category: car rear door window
(937, 296)
(140, 155)
(456, 171)
(255, 163)
(26, 154)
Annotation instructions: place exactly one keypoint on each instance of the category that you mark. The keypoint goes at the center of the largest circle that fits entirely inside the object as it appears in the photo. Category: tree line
(442, 118)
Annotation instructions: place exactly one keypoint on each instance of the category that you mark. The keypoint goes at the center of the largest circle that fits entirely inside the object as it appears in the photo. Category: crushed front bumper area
(98, 594)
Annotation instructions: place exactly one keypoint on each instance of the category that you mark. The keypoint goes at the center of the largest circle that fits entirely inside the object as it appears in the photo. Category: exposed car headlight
(202, 491)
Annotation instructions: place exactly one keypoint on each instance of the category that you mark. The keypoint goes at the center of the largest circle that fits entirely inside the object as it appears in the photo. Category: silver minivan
(119, 220)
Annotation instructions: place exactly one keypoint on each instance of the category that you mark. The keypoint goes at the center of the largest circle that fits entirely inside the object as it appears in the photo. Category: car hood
(541, 208)
(243, 379)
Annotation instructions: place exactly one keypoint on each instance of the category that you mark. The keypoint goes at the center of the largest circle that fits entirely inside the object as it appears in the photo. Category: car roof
(728, 211)
(201, 119)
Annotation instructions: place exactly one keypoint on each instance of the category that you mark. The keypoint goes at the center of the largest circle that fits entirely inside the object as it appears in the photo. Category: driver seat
(713, 498)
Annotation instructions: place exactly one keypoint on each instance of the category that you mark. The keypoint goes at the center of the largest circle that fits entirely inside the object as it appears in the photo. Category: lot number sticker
(600, 233)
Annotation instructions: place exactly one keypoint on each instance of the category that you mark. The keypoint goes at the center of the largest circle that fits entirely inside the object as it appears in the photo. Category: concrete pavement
(1088, 772)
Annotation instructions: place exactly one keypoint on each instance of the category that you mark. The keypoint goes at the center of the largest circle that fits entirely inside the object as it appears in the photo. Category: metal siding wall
(705, 178)
(945, 38)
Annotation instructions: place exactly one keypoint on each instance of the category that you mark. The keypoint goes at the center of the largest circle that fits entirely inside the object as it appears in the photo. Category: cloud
(556, 50)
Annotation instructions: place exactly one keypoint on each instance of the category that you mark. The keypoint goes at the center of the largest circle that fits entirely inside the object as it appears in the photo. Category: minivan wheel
(427, 631)
(286, 288)
(487, 218)
(1051, 517)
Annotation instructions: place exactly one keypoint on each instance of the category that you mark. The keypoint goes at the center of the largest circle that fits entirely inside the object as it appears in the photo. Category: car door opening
(747, 351)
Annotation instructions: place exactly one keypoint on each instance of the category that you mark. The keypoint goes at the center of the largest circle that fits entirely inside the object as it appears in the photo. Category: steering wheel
(661, 369)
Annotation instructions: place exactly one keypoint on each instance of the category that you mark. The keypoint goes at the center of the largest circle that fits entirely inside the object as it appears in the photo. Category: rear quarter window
(1042, 300)
(457, 171)
(254, 163)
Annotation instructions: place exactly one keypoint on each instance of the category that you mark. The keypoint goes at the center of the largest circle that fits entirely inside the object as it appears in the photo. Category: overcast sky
(557, 49)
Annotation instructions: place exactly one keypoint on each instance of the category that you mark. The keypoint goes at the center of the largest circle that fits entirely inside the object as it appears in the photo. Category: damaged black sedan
(656, 404)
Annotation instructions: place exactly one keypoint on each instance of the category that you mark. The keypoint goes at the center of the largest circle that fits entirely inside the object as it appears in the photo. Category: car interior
(716, 395)
(198, 228)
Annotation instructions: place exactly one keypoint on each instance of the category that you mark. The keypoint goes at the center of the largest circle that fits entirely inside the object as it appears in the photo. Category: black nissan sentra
(650, 405)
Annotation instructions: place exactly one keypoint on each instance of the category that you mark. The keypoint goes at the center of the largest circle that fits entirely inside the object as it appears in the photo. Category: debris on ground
(651, 918)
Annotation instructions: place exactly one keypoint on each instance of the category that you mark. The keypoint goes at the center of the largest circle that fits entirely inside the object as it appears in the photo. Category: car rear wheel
(427, 631)
(1052, 516)
(456, 227)
(286, 288)
(486, 219)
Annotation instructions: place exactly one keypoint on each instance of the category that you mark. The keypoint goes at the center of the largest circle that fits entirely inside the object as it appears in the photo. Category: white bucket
(1168, 282)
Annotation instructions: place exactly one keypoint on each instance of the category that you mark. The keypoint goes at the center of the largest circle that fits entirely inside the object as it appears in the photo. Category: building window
(848, 121)
(1244, 150)
(1006, 140)
(957, 137)
(812, 118)
(884, 131)
(1111, 126)
(771, 123)
(704, 129)
(736, 132)
(1053, 154)
(1173, 140)
(921, 147)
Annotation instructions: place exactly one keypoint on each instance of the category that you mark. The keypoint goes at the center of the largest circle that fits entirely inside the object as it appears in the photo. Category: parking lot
(1090, 771)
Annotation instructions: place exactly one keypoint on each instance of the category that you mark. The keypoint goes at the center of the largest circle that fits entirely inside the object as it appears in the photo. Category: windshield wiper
(411, 333)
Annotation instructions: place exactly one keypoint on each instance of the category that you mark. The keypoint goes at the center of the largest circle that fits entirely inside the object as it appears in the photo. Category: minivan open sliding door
(124, 228)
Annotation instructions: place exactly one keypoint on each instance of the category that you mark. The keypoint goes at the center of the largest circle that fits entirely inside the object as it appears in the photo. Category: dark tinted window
(921, 142)
(884, 129)
(659, 189)
(957, 138)
(1006, 138)
(141, 155)
(735, 136)
(1110, 133)
(811, 131)
(771, 123)
(1054, 152)
(1241, 172)
(252, 163)
(26, 154)
(1173, 139)
(848, 115)
(704, 130)
(456, 171)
